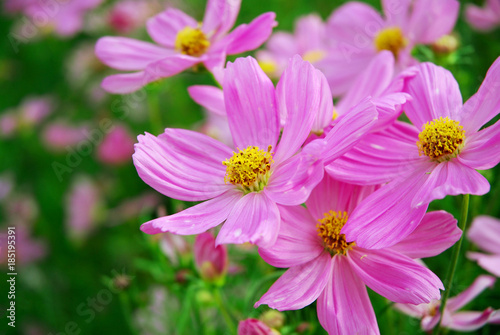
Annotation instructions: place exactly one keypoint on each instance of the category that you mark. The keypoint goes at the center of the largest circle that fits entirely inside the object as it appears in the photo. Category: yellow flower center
(329, 230)
(268, 66)
(314, 56)
(441, 139)
(250, 168)
(391, 39)
(191, 41)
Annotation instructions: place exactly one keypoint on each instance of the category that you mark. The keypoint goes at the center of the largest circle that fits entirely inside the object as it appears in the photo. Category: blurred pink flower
(183, 43)
(190, 166)
(132, 208)
(28, 249)
(82, 208)
(174, 246)
(59, 135)
(117, 146)
(452, 319)
(254, 327)
(325, 266)
(308, 41)
(128, 15)
(31, 111)
(211, 261)
(436, 156)
(357, 32)
(8, 124)
(485, 233)
(483, 18)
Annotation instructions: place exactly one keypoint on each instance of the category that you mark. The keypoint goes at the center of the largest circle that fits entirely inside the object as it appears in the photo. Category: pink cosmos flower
(32, 111)
(325, 266)
(132, 208)
(485, 233)
(65, 17)
(183, 43)
(82, 204)
(308, 41)
(117, 146)
(357, 32)
(452, 319)
(59, 135)
(126, 16)
(254, 327)
(28, 249)
(211, 261)
(483, 18)
(436, 156)
(243, 188)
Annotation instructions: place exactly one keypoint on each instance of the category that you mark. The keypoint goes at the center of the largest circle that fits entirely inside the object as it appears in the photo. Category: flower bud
(211, 261)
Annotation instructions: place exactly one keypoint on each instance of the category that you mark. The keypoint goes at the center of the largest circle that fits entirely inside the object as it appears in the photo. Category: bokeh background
(84, 265)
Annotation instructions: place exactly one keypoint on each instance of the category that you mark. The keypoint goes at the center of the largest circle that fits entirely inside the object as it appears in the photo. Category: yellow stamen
(329, 230)
(391, 39)
(191, 41)
(250, 168)
(441, 139)
(268, 66)
(314, 56)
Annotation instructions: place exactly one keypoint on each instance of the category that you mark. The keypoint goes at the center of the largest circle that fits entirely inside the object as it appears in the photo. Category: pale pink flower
(8, 124)
(194, 167)
(308, 41)
(183, 43)
(358, 32)
(485, 233)
(326, 267)
(132, 208)
(31, 111)
(82, 205)
(128, 15)
(117, 146)
(211, 261)
(465, 321)
(28, 249)
(483, 18)
(59, 135)
(436, 156)
(174, 246)
(254, 327)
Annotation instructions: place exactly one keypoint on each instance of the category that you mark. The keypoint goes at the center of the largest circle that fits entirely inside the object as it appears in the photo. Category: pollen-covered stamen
(191, 41)
(391, 39)
(250, 168)
(329, 230)
(441, 139)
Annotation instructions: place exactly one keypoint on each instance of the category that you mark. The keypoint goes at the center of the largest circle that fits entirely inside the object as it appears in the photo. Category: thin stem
(227, 318)
(454, 262)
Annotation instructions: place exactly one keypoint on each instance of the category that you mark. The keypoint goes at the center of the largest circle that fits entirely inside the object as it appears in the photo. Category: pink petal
(124, 83)
(299, 286)
(170, 66)
(349, 130)
(382, 68)
(325, 112)
(469, 321)
(310, 33)
(255, 219)
(333, 195)
(437, 232)
(397, 12)
(490, 263)
(479, 285)
(291, 182)
(249, 37)
(210, 97)
(298, 241)
(220, 16)
(182, 164)
(416, 311)
(481, 18)
(435, 93)
(127, 54)
(251, 105)
(344, 307)
(298, 95)
(196, 219)
(450, 178)
(395, 276)
(386, 217)
(282, 44)
(485, 233)
(432, 19)
(482, 149)
(485, 104)
(163, 28)
(379, 157)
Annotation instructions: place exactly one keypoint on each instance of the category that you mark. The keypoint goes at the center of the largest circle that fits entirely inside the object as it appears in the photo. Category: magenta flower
(483, 18)
(436, 156)
(357, 33)
(308, 41)
(243, 188)
(183, 43)
(254, 327)
(126, 16)
(117, 146)
(211, 261)
(452, 319)
(325, 266)
(485, 233)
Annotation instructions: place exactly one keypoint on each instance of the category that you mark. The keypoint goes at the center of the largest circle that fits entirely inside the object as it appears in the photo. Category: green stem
(154, 112)
(227, 318)
(454, 262)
